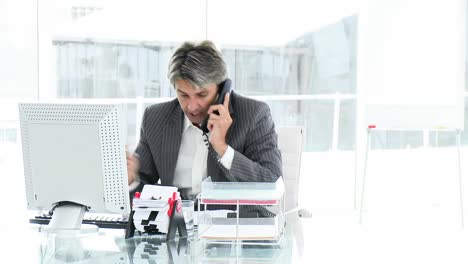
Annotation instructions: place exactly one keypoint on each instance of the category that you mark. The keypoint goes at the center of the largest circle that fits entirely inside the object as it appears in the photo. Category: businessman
(172, 150)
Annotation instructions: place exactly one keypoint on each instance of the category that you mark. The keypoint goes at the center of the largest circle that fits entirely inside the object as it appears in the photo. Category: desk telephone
(223, 88)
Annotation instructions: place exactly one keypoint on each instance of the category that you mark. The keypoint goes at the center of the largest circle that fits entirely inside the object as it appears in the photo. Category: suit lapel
(170, 143)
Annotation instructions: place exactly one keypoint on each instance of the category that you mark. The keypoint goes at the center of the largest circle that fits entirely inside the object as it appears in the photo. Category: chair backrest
(290, 143)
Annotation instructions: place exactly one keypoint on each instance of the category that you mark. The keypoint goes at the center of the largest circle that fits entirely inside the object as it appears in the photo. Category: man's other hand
(133, 164)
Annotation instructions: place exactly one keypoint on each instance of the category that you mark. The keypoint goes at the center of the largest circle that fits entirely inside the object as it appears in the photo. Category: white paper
(246, 232)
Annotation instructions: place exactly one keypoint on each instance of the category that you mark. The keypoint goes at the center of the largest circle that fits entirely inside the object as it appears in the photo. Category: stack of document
(152, 207)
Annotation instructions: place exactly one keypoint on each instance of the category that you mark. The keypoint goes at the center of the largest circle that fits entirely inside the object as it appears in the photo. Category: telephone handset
(223, 88)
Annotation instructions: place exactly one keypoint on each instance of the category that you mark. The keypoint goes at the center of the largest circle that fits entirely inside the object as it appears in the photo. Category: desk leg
(368, 143)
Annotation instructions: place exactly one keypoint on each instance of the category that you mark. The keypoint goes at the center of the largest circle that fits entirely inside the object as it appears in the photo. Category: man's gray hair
(199, 63)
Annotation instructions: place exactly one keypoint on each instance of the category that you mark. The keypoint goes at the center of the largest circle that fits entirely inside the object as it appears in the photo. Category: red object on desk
(137, 195)
(171, 202)
(371, 126)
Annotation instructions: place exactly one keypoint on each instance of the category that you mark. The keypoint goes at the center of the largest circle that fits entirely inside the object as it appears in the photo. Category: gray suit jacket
(252, 136)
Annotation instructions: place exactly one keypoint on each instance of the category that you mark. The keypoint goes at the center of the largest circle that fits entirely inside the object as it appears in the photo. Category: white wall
(18, 49)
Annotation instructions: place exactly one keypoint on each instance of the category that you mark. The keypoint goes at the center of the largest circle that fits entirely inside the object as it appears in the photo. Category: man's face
(195, 102)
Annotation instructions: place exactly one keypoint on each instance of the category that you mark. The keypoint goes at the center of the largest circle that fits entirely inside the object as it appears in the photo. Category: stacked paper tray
(244, 199)
(260, 193)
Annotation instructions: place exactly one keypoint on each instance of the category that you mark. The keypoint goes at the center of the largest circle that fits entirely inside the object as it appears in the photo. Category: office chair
(290, 142)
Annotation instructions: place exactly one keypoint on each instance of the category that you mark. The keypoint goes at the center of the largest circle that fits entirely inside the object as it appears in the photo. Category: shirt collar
(187, 124)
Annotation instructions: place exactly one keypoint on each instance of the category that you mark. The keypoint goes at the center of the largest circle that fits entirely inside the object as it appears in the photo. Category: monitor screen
(74, 154)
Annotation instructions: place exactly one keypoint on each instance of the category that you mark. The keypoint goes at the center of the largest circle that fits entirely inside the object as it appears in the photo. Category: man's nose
(192, 105)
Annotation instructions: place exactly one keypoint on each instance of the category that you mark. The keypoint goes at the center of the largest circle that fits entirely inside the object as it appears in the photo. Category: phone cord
(212, 152)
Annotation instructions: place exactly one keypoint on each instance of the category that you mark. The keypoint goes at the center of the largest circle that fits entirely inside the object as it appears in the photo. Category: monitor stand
(67, 219)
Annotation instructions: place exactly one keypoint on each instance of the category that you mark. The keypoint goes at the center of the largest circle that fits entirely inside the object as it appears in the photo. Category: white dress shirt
(190, 168)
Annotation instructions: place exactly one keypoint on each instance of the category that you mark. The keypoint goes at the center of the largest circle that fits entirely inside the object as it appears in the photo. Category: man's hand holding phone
(219, 123)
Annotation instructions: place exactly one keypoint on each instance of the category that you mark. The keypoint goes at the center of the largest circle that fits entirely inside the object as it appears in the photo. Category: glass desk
(110, 246)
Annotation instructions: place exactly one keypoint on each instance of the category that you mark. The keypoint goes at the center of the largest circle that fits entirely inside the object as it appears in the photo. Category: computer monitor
(74, 160)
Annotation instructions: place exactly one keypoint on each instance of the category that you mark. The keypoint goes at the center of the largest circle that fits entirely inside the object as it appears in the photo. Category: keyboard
(102, 221)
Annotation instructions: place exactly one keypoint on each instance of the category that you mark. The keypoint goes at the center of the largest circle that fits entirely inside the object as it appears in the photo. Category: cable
(214, 155)
(51, 212)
